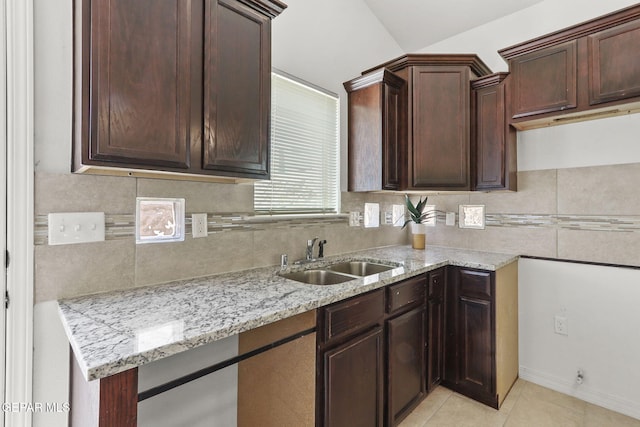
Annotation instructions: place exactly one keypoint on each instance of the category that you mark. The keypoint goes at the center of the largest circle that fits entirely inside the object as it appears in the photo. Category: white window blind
(304, 151)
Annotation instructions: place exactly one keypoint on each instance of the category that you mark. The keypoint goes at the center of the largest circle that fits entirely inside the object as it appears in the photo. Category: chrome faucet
(310, 243)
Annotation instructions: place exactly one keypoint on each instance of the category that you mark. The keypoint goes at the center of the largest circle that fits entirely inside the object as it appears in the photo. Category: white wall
(593, 143)
(327, 43)
(598, 301)
(50, 364)
(535, 21)
(601, 307)
(610, 141)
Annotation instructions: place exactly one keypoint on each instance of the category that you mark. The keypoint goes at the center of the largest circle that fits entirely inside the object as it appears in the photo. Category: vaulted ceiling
(415, 24)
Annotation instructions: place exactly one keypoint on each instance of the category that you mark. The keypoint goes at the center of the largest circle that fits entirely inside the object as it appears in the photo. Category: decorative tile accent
(567, 222)
(122, 226)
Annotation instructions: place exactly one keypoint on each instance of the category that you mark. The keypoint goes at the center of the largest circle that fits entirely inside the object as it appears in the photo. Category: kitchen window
(304, 150)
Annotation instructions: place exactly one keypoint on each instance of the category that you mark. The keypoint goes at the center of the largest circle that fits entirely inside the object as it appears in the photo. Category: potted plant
(417, 218)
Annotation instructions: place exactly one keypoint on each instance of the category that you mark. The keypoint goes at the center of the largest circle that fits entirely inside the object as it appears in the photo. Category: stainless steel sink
(359, 268)
(339, 272)
(318, 277)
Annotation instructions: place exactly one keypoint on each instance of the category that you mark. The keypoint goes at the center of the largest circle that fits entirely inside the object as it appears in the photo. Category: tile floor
(527, 405)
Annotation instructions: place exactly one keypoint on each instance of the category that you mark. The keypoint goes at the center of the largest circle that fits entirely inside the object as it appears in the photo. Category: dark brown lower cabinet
(380, 353)
(371, 356)
(353, 382)
(435, 326)
(406, 363)
(350, 371)
(481, 343)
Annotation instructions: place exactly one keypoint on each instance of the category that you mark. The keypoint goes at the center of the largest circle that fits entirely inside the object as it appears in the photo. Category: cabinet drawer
(405, 294)
(345, 318)
(475, 283)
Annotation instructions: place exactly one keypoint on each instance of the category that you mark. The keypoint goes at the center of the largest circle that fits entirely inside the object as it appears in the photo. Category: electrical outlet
(354, 219)
(199, 225)
(388, 218)
(450, 218)
(561, 326)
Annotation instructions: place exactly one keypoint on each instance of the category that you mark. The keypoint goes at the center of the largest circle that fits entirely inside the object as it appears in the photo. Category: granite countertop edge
(185, 314)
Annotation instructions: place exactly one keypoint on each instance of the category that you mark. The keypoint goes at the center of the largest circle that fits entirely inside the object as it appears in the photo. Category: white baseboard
(582, 392)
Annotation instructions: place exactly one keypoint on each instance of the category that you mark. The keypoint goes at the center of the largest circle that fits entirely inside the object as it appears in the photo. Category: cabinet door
(391, 144)
(377, 131)
(237, 89)
(406, 365)
(135, 108)
(353, 382)
(613, 63)
(475, 334)
(495, 141)
(544, 80)
(365, 138)
(439, 149)
(435, 325)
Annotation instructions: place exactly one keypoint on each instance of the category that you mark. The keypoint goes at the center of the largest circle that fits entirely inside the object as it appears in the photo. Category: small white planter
(418, 234)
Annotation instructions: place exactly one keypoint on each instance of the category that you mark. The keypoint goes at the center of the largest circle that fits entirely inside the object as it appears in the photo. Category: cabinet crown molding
(473, 61)
(573, 32)
(489, 80)
(271, 8)
(379, 76)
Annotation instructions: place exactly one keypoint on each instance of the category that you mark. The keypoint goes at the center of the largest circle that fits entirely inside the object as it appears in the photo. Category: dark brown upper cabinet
(544, 81)
(377, 137)
(159, 88)
(613, 63)
(494, 153)
(436, 107)
(579, 73)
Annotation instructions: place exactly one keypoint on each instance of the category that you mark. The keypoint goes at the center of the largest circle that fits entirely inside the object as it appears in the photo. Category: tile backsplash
(237, 238)
(589, 214)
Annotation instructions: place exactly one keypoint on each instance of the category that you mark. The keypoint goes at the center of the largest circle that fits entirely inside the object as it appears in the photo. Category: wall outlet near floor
(199, 225)
(561, 326)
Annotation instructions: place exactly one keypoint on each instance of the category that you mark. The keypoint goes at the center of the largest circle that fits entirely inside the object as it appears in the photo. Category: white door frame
(3, 195)
(18, 19)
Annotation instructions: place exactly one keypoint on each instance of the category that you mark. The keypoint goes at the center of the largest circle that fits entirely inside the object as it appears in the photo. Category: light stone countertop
(116, 331)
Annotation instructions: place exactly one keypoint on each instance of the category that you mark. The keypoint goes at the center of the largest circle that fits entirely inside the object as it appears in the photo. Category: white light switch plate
(75, 227)
(371, 215)
(398, 215)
